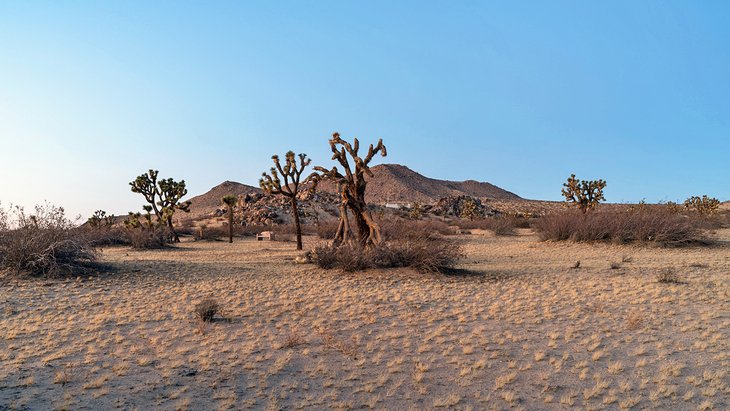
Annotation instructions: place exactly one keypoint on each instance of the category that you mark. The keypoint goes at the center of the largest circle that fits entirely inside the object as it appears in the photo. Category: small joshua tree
(291, 172)
(163, 197)
(704, 205)
(230, 201)
(351, 186)
(583, 194)
(101, 220)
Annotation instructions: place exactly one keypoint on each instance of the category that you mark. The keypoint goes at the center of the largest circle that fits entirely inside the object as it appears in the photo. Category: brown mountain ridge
(391, 183)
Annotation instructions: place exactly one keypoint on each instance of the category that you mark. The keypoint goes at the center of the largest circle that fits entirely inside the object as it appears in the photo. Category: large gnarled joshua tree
(291, 172)
(351, 186)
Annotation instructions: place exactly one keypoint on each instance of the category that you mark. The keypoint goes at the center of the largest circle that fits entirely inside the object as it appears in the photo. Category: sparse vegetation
(423, 254)
(44, 243)
(621, 227)
(583, 194)
(667, 275)
(207, 309)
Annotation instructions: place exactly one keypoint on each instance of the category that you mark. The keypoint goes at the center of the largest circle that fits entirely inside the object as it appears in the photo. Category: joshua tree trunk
(175, 238)
(368, 231)
(297, 224)
(351, 185)
(230, 224)
(343, 233)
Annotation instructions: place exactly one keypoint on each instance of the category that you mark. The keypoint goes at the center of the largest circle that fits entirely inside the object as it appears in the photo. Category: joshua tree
(703, 205)
(100, 219)
(582, 193)
(230, 201)
(292, 174)
(163, 197)
(351, 186)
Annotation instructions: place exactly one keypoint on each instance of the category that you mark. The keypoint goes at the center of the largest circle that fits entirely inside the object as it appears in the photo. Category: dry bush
(397, 229)
(293, 339)
(206, 310)
(106, 236)
(45, 243)
(621, 227)
(284, 232)
(326, 230)
(144, 238)
(249, 230)
(206, 233)
(501, 225)
(668, 276)
(426, 254)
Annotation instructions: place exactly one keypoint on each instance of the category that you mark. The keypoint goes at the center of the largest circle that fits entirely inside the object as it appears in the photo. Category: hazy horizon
(517, 95)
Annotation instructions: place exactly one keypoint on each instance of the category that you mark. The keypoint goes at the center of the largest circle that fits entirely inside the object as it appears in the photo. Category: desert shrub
(207, 309)
(248, 230)
(620, 227)
(205, 233)
(501, 225)
(106, 236)
(282, 232)
(44, 243)
(668, 276)
(148, 238)
(425, 254)
(327, 229)
(394, 229)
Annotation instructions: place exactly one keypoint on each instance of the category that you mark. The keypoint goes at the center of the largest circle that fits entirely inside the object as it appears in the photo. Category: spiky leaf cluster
(230, 200)
(584, 194)
(289, 174)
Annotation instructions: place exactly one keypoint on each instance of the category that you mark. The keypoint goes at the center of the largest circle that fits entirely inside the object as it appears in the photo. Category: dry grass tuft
(206, 310)
(667, 275)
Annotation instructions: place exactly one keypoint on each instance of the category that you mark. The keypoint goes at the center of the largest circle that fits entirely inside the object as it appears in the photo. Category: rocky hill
(394, 183)
(391, 183)
(205, 204)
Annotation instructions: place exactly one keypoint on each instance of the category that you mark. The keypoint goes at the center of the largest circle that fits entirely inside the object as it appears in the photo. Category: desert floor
(523, 329)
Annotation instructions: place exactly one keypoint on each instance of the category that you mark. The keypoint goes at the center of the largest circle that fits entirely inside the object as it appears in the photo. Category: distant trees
(583, 194)
(703, 205)
(291, 174)
(163, 198)
(230, 201)
(351, 186)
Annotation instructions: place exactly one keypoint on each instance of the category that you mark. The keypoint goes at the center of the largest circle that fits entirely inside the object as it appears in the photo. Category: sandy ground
(523, 331)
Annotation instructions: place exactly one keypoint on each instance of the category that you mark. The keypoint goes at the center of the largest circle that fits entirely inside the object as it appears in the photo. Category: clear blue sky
(520, 94)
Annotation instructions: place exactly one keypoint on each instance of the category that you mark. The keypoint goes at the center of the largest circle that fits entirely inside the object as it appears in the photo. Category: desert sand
(519, 328)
